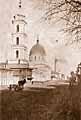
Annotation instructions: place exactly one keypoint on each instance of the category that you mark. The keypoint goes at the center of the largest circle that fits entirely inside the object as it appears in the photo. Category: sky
(49, 33)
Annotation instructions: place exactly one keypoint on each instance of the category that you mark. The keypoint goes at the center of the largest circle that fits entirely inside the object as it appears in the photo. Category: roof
(37, 49)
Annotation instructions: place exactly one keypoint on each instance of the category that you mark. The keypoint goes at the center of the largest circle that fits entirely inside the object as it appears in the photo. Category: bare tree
(68, 10)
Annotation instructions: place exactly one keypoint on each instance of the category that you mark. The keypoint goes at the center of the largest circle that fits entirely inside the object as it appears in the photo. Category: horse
(21, 83)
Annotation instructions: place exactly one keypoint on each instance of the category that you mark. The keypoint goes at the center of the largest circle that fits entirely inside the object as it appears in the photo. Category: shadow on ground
(39, 104)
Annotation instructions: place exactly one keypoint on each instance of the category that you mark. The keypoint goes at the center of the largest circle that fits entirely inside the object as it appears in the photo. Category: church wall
(37, 59)
(22, 53)
(43, 74)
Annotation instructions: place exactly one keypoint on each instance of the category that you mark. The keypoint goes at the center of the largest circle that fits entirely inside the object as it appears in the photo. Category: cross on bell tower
(19, 37)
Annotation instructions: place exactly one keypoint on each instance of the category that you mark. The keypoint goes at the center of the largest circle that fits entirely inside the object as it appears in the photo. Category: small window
(17, 41)
(17, 28)
(17, 53)
(35, 57)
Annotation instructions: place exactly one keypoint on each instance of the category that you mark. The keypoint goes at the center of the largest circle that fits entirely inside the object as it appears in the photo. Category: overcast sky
(48, 33)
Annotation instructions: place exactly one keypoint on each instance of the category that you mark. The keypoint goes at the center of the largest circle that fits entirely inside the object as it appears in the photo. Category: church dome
(37, 49)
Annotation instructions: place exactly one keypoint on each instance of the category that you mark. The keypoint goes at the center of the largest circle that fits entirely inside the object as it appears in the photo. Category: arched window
(17, 40)
(17, 53)
(17, 28)
(35, 57)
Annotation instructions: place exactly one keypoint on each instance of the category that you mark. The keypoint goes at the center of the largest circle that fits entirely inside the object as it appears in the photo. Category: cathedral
(24, 65)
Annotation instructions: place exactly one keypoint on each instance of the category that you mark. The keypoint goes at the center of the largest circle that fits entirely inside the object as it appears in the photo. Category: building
(37, 60)
(20, 65)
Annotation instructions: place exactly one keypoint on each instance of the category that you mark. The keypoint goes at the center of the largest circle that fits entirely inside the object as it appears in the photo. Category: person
(72, 78)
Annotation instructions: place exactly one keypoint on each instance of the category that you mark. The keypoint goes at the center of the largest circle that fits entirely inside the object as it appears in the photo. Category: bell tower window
(17, 40)
(17, 53)
(17, 28)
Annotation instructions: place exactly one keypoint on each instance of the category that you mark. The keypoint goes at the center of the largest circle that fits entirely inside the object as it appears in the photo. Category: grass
(40, 104)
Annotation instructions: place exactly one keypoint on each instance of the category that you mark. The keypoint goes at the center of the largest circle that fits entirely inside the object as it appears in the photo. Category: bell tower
(19, 37)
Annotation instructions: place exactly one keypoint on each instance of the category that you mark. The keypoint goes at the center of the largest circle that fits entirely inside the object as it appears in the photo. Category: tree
(67, 10)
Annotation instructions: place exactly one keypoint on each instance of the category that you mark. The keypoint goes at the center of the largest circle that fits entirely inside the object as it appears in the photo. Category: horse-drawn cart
(17, 87)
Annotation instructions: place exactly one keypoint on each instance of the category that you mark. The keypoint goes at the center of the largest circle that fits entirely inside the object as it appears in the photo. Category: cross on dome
(20, 4)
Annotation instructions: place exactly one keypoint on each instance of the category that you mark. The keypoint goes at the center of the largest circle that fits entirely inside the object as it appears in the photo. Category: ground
(38, 104)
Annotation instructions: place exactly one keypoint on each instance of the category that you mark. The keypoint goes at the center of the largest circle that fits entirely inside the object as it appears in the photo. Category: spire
(20, 4)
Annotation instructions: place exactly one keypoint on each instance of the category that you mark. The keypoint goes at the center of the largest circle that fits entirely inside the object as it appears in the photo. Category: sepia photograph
(40, 59)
